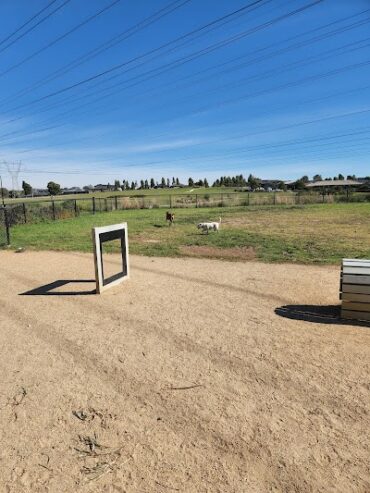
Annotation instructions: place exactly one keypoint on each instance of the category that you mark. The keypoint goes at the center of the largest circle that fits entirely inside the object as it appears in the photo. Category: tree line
(237, 181)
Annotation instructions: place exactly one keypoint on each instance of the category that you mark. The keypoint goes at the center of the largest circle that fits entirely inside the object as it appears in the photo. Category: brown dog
(170, 217)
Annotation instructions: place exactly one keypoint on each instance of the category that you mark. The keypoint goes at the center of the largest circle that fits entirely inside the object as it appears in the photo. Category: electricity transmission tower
(14, 168)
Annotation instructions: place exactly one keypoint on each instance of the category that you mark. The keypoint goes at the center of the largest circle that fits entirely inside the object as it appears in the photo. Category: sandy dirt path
(190, 377)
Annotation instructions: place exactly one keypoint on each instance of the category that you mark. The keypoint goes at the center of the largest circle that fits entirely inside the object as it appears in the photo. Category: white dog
(210, 226)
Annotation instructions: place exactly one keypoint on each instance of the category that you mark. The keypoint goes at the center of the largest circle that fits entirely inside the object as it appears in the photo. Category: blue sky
(279, 89)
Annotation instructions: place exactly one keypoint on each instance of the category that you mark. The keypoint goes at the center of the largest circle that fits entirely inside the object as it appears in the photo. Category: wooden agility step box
(355, 289)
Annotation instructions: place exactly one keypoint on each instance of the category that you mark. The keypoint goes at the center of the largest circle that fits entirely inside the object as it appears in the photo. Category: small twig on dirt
(168, 487)
(90, 442)
(94, 454)
(47, 462)
(48, 458)
(187, 388)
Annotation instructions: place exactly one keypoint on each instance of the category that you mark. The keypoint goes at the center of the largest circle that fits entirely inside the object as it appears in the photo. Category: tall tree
(27, 189)
(206, 183)
(53, 188)
(299, 184)
(117, 185)
(191, 182)
(253, 182)
(152, 183)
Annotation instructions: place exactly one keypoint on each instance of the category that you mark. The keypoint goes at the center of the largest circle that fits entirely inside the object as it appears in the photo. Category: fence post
(274, 198)
(7, 226)
(248, 198)
(24, 212)
(116, 202)
(93, 205)
(222, 200)
(297, 201)
(170, 201)
(106, 205)
(76, 209)
(196, 201)
(53, 208)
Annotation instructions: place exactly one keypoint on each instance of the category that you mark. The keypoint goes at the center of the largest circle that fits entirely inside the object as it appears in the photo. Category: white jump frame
(104, 234)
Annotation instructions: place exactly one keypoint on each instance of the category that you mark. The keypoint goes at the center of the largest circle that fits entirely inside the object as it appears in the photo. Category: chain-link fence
(48, 210)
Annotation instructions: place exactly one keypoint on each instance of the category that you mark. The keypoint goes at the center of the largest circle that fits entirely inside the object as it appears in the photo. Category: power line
(120, 65)
(215, 46)
(191, 33)
(283, 86)
(27, 22)
(35, 25)
(302, 103)
(59, 38)
(165, 67)
(158, 15)
(290, 84)
(269, 73)
(187, 58)
(294, 46)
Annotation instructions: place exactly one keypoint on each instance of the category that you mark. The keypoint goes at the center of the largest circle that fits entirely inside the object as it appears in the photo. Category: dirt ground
(194, 376)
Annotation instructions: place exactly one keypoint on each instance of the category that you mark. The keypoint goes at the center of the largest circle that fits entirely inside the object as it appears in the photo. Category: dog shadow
(319, 314)
(50, 289)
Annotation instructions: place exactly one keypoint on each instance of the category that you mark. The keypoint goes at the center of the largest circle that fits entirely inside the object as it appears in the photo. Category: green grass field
(310, 234)
(127, 193)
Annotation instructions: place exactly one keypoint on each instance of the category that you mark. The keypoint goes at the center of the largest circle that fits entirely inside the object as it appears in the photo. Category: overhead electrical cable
(27, 22)
(158, 15)
(255, 60)
(35, 25)
(121, 65)
(212, 46)
(250, 95)
(59, 38)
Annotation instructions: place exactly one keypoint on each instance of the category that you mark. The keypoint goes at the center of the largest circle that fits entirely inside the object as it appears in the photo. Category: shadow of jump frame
(49, 289)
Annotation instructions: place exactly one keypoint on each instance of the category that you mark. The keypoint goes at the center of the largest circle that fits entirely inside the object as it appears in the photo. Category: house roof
(333, 183)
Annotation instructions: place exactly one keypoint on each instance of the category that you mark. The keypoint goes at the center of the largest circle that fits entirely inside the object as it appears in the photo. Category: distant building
(333, 183)
(40, 192)
(72, 190)
(270, 185)
(103, 188)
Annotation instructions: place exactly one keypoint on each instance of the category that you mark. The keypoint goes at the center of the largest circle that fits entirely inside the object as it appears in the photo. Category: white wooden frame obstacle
(100, 236)
(355, 289)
